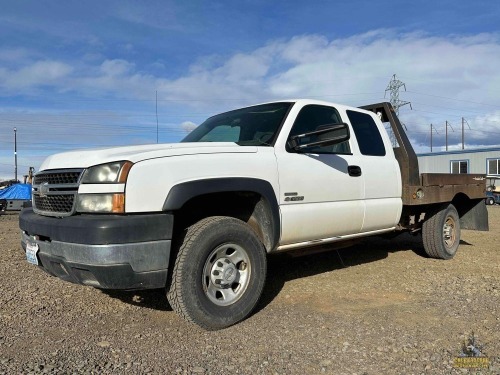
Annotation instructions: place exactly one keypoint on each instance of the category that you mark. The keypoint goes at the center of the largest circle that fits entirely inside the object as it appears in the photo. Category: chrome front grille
(58, 178)
(54, 192)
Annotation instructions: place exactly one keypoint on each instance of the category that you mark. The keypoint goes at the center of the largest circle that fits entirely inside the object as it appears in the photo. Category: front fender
(183, 192)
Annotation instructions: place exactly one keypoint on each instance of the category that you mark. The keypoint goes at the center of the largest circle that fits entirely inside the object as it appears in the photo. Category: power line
(55, 128)
(203, 99)
(448, 98)
(451, 109)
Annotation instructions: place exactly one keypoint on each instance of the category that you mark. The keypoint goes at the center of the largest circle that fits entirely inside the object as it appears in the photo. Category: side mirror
(325, 135)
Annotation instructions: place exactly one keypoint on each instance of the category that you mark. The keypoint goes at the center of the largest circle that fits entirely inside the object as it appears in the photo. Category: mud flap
(474, 216)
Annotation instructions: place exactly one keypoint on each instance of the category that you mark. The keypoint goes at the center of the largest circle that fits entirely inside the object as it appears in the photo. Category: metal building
(482, 161)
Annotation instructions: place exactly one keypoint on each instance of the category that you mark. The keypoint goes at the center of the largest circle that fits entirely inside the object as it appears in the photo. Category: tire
(219, 273)
(490, 201)
(491, 188)
(441, 233)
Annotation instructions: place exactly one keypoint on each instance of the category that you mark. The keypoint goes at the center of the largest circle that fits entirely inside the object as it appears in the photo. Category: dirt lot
(376, 308)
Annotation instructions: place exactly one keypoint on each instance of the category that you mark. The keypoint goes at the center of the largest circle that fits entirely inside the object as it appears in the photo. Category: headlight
(110, 203)
(107, 173)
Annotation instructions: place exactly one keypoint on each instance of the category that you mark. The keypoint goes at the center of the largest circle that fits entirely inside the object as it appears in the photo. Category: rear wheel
(219, 273)
(490, 201)
(441, 233)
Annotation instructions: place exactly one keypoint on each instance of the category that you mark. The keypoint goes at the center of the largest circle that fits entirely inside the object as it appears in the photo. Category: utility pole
(433, 128)
(453, 130)
(464, 121)
(393, 87)
(463, 141)
(15, 154)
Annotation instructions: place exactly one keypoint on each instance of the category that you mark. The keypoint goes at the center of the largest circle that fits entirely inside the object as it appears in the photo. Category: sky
(87, 74)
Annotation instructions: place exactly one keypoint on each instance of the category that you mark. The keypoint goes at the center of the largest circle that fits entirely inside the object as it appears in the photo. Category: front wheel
(490, 201)
(441, 233)
(219, 273)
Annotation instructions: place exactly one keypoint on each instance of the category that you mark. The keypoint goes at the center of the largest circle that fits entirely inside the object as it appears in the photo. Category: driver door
(321, 191)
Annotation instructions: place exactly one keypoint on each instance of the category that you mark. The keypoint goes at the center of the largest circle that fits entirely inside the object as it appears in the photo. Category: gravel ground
(377, 308)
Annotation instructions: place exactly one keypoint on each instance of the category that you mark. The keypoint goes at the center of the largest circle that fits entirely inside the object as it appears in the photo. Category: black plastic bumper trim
(98, 229)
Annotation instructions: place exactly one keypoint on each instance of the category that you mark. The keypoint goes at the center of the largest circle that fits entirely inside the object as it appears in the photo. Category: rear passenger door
(382, 179)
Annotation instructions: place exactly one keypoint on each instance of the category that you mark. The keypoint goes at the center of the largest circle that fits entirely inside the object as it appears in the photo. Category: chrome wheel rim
(449, 233)
(226, 274)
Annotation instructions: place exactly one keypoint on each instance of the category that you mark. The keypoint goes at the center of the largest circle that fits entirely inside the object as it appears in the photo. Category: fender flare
(181, 193)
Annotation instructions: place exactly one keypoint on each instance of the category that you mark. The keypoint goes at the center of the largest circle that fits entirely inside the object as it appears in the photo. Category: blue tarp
(17, 191)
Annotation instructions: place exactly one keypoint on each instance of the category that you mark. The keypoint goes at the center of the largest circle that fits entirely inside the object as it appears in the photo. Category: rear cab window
(367, 134)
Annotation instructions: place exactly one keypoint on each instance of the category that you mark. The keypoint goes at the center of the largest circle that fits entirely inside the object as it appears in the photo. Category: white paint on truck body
(335, 205)
(150, 180)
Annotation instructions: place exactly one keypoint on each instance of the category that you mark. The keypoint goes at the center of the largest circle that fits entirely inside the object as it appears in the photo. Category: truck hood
(89, 157)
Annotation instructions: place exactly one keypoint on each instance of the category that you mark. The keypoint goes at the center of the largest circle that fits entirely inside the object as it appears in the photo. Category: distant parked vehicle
(492, 197)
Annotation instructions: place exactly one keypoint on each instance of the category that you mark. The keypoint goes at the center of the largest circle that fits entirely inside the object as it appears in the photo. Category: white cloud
(45, 72)
(116, 67)
(353, 70)
(188, 126)
(447, 78)
(313, 66)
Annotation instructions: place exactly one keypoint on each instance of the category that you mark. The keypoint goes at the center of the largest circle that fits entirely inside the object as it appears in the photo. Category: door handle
(354, 170)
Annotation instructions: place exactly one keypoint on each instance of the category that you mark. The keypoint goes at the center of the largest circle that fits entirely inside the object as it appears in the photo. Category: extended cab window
(316, 117)
(252, 126)
(367, 134)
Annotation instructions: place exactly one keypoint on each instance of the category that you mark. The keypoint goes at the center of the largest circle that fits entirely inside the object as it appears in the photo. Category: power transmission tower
(393, 87)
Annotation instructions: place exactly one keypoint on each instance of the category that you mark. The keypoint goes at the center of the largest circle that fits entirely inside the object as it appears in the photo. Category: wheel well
(249, 207)
(462, 203)
(472, 213)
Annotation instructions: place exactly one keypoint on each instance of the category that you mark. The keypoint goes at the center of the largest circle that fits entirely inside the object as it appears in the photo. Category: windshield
(252, 126)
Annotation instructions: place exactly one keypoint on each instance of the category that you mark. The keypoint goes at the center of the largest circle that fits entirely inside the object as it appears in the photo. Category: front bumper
(103, 251)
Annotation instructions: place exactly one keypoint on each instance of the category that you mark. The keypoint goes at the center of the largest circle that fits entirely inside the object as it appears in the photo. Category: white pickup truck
(199, 217)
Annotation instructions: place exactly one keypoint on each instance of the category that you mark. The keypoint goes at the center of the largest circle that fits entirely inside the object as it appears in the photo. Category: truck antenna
(156, 92)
